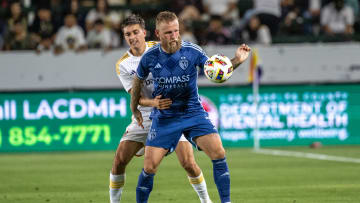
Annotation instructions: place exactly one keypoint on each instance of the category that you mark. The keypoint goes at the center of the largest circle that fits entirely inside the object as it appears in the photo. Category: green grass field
(82, 177)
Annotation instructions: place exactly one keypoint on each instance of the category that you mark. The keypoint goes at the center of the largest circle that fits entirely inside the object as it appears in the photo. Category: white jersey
(126, 71)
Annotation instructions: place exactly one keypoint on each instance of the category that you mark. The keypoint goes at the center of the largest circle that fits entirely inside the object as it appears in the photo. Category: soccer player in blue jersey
(134, 137)
(172, 64)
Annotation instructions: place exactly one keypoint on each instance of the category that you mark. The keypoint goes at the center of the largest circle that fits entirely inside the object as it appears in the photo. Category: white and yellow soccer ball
(218, 68)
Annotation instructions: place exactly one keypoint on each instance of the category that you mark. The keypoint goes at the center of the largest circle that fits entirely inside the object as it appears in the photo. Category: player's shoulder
(192, 46)
(123, 58)
(153, 50)
(151, 43)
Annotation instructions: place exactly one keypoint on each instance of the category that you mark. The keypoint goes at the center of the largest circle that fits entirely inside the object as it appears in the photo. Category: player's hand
(242, 53)
(162, 103)
(138, 116)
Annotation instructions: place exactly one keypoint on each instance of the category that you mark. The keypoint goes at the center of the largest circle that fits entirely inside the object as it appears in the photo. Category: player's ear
(144, 30)
(157, 33)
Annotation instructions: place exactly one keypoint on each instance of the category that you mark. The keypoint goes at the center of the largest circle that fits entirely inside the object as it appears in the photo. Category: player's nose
(173, 35)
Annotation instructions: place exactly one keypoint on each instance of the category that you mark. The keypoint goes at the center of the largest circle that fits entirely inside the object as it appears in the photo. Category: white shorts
(136, 133)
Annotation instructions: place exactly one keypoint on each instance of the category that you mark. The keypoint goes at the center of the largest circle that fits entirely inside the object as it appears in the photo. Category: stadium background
(308, 93)
(74, 102)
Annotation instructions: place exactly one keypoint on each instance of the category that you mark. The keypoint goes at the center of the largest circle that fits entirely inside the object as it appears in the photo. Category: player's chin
(174, 46)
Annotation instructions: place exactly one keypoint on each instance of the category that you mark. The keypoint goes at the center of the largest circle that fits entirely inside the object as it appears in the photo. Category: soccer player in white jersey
(173, 65)
(135, 136)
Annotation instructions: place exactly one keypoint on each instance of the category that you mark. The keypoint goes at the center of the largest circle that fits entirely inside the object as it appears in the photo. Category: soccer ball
(218, 68)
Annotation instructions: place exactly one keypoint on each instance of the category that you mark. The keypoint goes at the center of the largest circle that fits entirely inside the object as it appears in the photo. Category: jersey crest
(183, 63)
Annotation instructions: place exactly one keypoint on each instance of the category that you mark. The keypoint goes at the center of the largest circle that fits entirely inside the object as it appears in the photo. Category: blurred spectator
(292, 22)
(256, 33)
(18, 38)
(73, 7)
(312, 17)
(45, 44)
(56, 7)
(337, 18)
(42, 3)
(99, 37)
(188, 10)
(111, 18)
(43, 24)
(225, 8)
(269, 13)
(70, 36)
(216, 33)
(16, 14)
(186, 33)
(117, 2)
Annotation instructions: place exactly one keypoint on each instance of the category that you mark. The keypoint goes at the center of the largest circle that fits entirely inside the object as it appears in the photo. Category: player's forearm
(135, 93)
(146, 102)
(235, 62)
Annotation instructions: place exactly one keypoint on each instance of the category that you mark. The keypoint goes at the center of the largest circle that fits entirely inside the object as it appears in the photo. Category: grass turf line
(77, 177)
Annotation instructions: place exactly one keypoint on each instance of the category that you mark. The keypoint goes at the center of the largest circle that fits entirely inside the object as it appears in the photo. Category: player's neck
(138, 51)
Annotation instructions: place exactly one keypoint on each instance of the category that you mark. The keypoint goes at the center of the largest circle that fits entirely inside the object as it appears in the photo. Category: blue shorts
(166, 132)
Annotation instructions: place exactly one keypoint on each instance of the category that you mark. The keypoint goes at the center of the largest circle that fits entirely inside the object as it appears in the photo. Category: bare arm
(242, 53)
(157, 102)
(144, 101)
(135, 99)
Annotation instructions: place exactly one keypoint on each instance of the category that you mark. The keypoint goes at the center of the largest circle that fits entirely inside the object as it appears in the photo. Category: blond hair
(165, 16)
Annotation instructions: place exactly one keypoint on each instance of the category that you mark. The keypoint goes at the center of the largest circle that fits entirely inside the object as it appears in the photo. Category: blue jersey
(175, 77)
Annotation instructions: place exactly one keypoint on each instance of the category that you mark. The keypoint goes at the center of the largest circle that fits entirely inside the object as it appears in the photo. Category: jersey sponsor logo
(173, 82)
(173, 79)
(158, 66)
(183, 63)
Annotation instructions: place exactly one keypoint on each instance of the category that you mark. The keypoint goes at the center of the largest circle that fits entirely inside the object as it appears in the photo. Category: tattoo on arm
(235, 63)
(135, 93)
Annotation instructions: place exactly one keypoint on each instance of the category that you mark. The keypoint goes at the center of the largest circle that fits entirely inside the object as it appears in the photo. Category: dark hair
(99, 21)
(17, 21)
(133, 19)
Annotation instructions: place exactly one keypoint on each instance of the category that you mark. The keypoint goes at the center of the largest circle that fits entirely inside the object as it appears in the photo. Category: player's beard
(173, 46)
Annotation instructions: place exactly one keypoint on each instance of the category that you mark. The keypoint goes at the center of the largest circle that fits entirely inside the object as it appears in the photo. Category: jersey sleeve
(202, 59)
(202, 56)
(143, 70)
(124, 76)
